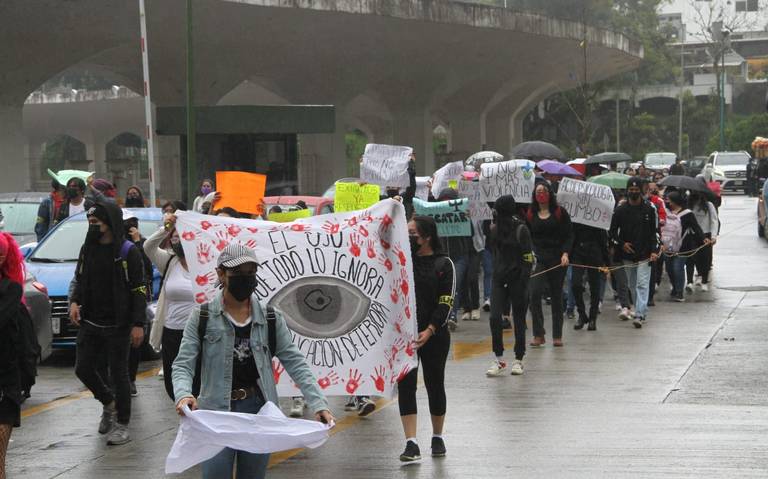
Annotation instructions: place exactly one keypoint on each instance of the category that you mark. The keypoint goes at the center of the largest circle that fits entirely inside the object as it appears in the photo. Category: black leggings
(470, 297)
(577, 280)
(513, 289)
(432, 357)
(702, 260)
(554, 280)
(170, 349)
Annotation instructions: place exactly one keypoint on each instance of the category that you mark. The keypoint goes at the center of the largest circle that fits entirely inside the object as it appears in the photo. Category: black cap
(635, 181)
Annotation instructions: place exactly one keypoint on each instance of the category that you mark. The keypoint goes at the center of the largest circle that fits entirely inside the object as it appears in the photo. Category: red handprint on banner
(188, 235)
(394, 295)
(327, 381)
(409, 349)
(221, 241)
(401, 256)
(203, 253)
(404, 286)
(253, 230)
(331, 228)
(233, 230)
(200, 298)
(403, 373)
(378, 378)
(384, 243)
(277, 370)
(299, 228)
(386, 222)
(354, 381)
(363, 230)
(367, 217)
(251, 243)
(205, 225)
(407, 311)
(397, 346)
(354, 246)
(371, 249)
(399, 326)
(205, 279)
(384, 259)
(351, 221)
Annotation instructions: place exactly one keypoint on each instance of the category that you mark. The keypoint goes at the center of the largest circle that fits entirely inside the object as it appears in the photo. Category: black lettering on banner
(279, 242)
(316, 260)
(323, 240)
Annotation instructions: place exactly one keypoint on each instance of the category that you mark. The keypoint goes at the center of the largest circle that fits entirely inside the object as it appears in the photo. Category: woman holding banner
(552, 235)
(435, 284)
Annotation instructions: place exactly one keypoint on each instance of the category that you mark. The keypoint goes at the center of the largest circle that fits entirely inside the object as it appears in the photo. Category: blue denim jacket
(218, 348)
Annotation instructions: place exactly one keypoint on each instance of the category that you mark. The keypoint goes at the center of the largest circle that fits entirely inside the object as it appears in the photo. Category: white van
(732, 165)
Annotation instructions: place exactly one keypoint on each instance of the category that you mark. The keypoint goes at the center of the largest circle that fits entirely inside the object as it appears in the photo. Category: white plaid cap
(236, 254)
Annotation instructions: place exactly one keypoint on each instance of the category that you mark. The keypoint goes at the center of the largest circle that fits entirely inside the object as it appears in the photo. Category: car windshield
(659, 159)
(64, 243)
(732, 159)
(19, 218)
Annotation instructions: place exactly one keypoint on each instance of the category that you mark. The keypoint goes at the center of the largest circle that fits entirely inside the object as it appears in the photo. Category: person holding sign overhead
(552, 235)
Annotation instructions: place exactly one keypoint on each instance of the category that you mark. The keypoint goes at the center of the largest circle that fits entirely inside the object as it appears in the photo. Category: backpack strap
(271, 331)
(202, 324)
(165, 274)
(125, 248)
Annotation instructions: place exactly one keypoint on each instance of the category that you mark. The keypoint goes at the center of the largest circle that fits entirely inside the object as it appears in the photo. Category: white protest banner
(422, 187)
(513, 177)
(587, 203)
(452, 216)
(386, 165)
(478, 209)
(344, 283)
(451, 171)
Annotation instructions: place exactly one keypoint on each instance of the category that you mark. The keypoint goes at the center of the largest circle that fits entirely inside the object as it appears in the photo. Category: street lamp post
(191, 154)
(680, 104)
(726, 44)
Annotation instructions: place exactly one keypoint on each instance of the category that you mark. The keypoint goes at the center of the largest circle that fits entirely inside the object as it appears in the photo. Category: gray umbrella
(685, 183)
(607, 157)
(537, 150)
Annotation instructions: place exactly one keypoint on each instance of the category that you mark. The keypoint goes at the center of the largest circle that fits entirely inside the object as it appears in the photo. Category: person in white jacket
(706, 215)
(176, 300)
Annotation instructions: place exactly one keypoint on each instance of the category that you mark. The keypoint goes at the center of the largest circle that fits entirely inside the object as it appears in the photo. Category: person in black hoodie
(590, 248)
(634, 236)
(435, 286)
(552, 235)
(109, 304)
(512, 263)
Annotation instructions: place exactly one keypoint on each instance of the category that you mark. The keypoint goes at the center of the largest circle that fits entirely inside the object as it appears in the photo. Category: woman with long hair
(11, 302)
(552, 235)
(706, 215)
(433, 276)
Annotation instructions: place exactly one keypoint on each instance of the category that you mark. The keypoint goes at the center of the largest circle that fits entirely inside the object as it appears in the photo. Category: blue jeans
(676, 271)
(460, 269)
(639, 284)
(487, 257)
(249, 466)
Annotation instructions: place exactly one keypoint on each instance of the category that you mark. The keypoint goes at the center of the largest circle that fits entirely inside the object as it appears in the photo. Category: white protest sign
(587, 203)
(343, 282)
(422, 187)
(386, 165)
(513, 177)
(451, 171)
(478, 209)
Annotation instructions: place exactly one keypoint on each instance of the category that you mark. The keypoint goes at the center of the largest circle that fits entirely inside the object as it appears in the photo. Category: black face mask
(415, 246)
(392, 193)
(132, 202)
(73, 192)
(94, 234)
(241, 286)
(177, 249)
(634, 196)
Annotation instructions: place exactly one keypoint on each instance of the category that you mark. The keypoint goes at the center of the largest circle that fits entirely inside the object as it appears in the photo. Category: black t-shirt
(101, 302)
(244, 372)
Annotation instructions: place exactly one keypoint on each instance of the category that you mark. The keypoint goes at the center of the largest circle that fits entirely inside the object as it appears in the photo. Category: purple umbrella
(557, 168)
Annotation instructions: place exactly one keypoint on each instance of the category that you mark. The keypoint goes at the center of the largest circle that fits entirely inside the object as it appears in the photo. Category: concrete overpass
(392, 68)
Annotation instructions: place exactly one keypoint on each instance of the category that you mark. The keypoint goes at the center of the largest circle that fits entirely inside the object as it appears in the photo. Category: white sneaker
(475, 315)
(704, 287)
(517, 368)
(625, 314)
(600, 307)
(297, 410)
(351, 404)
(698, 281)
(452, 324)
(618, 307)
(689, 288)
(498, 368)
(487, 305)
(465, 316)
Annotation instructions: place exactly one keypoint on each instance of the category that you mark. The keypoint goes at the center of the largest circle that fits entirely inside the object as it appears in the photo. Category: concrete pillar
(168, 167)
(96, 154)
(516, 128)
(468, 135)
(498, 135)
(16, 168)
(39, 179)
(322, 159)
(414, 128)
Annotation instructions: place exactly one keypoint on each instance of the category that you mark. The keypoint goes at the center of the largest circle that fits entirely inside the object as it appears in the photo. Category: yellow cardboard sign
(354, 196)
(288, 216)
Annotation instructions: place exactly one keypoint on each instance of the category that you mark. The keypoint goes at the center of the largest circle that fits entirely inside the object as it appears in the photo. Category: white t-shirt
(75, 209)
(179, 298)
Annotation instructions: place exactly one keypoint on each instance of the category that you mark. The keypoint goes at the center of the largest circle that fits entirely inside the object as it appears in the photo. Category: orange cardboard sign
(241, 190)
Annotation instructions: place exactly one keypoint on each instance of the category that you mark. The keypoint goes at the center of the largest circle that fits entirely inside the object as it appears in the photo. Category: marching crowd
(530, 255)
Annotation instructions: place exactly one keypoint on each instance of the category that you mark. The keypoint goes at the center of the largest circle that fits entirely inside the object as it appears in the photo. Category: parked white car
(730, 168)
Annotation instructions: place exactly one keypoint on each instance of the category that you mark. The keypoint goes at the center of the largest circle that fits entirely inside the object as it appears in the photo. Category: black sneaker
(134, 391)
(411, 453)
(365, 406)
(580, 323)
(438, 447)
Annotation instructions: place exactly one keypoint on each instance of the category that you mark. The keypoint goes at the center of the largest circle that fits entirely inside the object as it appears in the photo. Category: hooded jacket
(129, 289)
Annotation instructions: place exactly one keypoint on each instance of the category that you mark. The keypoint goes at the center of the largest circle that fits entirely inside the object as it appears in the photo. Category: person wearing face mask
(435, 287)
(634, 234)
(207, 197)
(108, 303)
(49, 209)
(552, 236)
(651, 193)
(76, 201)
(134, 198)
(176, 300)
(706, 215)
(236, 370)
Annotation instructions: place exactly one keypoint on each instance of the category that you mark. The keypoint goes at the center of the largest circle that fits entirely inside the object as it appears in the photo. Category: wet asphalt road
(686, 396)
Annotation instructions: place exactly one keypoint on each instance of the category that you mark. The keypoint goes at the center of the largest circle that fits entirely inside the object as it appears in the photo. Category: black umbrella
(685, 183)
(539, 150)
(607, 157)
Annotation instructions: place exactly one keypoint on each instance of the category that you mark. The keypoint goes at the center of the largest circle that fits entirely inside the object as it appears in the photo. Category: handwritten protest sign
(514, 177)
(478, 208)
(288, 216)
(452, 217)
(386, 165)
(354, 196)
(451, 171)
(422, 187)
(240, 190)
(344, 283)
(587, 203)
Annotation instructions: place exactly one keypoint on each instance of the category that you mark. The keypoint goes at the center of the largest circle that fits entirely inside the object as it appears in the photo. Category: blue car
(53, 262)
